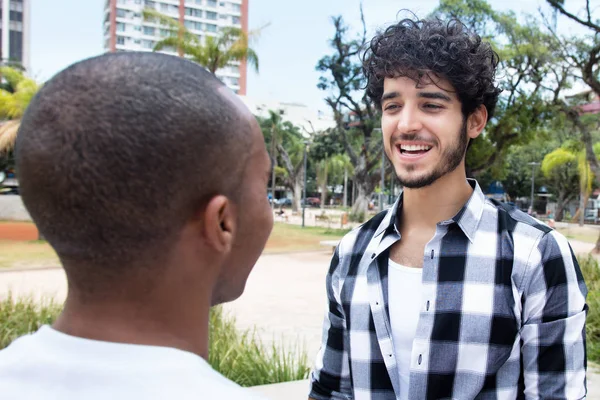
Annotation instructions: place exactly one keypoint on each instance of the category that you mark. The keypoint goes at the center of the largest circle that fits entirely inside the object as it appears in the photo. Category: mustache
(411, 137)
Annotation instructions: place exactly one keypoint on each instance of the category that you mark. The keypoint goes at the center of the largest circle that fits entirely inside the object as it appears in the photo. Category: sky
(297, 35)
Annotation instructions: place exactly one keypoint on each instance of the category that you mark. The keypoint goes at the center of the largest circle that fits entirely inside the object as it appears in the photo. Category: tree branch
(559, 7)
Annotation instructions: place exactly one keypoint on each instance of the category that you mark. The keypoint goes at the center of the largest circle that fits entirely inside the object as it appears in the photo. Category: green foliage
(230, 45)
(591, 274)
(239, 356)
(15, 99)
(23, 316)
(242, 358)
(527, 56)
(357, 217)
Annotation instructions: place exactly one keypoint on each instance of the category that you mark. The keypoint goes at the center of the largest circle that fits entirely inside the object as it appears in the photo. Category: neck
(179, 321)
(440, 201)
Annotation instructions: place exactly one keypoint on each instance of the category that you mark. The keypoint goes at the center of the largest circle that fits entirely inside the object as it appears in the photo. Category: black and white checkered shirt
(502, 312)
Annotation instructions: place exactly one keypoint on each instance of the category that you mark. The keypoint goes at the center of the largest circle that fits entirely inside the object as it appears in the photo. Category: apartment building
(126, 30)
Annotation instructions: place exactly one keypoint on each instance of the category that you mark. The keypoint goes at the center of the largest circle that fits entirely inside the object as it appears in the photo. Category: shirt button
(420, 358)
(427, 305)
(432, 252)
(372, 256)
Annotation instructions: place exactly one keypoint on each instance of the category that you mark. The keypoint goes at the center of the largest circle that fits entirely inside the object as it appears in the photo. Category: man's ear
(477, 121)
(219, 224)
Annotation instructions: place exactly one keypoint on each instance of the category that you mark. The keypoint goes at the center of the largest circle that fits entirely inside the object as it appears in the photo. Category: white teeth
(407, 147)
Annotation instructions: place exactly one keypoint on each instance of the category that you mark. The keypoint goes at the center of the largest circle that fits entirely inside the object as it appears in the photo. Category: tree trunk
(324, 187)
(361, 203)
(297, 194)
(345, 187)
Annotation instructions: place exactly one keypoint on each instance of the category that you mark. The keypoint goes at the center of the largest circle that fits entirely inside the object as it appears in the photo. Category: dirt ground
(20, 231)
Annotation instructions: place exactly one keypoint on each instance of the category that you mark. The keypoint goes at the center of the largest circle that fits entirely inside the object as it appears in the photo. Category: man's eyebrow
(390, 95)
(435, 96)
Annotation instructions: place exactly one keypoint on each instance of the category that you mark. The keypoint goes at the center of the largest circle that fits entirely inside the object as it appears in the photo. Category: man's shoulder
(511, 219)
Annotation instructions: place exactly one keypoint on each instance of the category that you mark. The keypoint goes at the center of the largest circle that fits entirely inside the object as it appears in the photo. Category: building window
(211, 3)
(150, 4)
(16, 16)
(120, 40)
(235, 81)
(164, 7)
(16, 6)
(211, 15)
(147, 44)
(211, 28)
(16, 26)
(120, 27)
(164, 32)
(121, 13)
(174, 9)
(150, 31)
(236, 7)
(193, 12)
(235, 20)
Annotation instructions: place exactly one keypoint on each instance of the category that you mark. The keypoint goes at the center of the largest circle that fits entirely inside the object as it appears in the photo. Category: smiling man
(447, 294)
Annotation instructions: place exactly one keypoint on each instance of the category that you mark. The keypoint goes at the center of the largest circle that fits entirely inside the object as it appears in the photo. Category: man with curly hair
(448, 294)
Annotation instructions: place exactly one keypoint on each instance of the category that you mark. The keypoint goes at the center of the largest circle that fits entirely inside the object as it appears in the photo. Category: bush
(239, 356)
(24, 316)
(242, 358)
(357, 217)
(591, 274)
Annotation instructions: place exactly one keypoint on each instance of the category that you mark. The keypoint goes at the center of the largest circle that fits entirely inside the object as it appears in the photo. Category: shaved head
(117, 152)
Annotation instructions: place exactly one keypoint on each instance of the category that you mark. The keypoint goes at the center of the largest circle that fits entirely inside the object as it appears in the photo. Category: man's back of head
(135, 168)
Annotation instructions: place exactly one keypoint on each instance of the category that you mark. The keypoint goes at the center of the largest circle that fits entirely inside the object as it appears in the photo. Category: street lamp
(305, 180)
(378, 130)
(533, 164)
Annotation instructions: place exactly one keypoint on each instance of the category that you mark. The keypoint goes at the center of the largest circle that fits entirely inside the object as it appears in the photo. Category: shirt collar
(467, 218)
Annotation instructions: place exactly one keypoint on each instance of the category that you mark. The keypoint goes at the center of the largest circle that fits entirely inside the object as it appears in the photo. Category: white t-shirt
(51, 365)
(404, 295)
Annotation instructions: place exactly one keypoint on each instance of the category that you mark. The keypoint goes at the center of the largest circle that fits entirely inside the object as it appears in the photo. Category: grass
(580, 233)
(26, 254)
(290, 238)
(284, 238)
(239, 356)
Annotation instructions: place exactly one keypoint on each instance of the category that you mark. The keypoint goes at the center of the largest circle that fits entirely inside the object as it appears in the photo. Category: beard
(450, 160)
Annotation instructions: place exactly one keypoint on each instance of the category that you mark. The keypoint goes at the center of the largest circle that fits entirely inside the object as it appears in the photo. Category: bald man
(148, 177)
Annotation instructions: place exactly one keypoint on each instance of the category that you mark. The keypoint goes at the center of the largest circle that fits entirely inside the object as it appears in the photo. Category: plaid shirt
(502, 312)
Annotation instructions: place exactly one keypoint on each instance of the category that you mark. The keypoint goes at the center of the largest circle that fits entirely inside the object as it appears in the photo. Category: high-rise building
(14, 31)
(126, 30)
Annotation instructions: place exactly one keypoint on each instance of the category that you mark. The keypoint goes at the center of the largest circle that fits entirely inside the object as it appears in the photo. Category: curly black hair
(421, 48)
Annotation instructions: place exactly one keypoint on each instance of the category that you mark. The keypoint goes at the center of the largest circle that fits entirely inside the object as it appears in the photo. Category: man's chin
(417, 182)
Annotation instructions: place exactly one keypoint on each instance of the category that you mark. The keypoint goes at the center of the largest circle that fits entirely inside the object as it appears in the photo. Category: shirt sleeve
(553, 329)
(330, 378)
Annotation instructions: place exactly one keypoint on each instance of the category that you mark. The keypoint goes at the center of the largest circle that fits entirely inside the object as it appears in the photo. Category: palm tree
(558, 162)
(334, 166)
(231, 45)
(13, 102)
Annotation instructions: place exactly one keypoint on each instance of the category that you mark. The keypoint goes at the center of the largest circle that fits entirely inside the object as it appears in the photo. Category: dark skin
(208, 264)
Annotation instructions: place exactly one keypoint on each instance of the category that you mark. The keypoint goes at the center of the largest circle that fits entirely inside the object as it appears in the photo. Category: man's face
(254, 222)
(424, 131)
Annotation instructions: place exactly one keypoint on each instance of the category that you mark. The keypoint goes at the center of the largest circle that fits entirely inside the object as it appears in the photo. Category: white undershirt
(404, 292)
